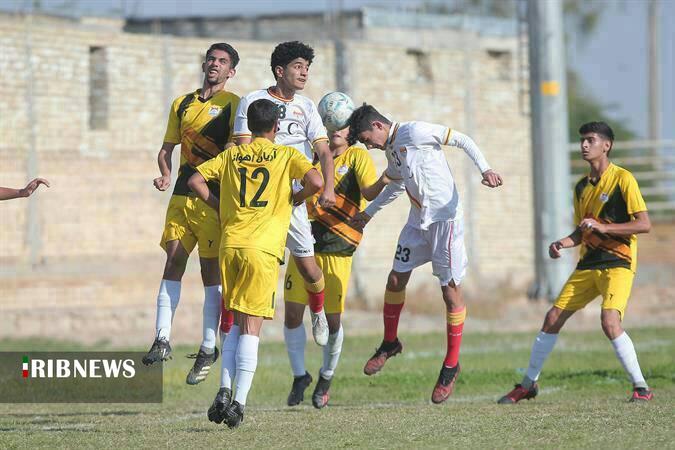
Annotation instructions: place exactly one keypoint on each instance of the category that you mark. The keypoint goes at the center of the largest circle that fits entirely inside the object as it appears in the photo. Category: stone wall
(88, 245)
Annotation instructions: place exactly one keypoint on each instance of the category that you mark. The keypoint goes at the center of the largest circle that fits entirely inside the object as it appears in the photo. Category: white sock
(167, 302)
(247, 361)
(542, 347)
(331, 353)
(228, 363)
(211, 317)
(625, 351)
(296, 339)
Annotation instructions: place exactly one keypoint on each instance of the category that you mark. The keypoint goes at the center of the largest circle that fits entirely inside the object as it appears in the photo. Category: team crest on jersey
(214, 111)
(604, 197)
(342, 170)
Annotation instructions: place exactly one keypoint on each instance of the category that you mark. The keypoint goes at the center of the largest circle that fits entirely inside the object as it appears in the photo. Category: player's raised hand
(162, 183)
(32, 186)
(359, 221)
(554, 249)
(327, 199)
(492, 179)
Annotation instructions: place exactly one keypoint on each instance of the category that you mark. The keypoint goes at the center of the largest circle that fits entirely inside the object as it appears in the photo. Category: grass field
(582, 402)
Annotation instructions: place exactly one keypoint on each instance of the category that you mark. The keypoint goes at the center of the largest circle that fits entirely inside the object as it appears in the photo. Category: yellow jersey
(202, 128)
(255, 193)
(354, 169)
(613, 199)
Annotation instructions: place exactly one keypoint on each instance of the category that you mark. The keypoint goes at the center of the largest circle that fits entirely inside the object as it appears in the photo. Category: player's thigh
(251, 288)
(299, 240)
(615, 286)
(294, 285)
(205, 225)
(412, 250)
(337, 270)
(579, 290)
(176, 226)
(449, 259)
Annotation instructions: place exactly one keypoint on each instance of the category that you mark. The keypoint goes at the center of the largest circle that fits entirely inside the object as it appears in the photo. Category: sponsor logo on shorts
(210, 243)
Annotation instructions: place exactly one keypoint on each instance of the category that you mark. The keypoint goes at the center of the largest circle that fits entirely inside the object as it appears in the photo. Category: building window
(98, 88)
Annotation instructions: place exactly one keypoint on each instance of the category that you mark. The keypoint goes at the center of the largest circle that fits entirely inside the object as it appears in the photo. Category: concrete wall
(90, 258)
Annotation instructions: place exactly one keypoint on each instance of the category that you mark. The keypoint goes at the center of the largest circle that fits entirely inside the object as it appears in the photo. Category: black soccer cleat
(216, 412)
(297, 394)
(160, 351)
(321, 393)
(234, 414)
(201, 367)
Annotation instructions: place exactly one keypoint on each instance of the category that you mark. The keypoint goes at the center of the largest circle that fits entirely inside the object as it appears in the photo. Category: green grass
(582, 402)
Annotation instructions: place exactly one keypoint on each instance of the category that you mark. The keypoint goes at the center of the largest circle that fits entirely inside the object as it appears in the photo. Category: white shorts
(299, 240)
(442, 244)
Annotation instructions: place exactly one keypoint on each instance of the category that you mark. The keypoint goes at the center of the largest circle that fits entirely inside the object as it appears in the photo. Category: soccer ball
(335, 109)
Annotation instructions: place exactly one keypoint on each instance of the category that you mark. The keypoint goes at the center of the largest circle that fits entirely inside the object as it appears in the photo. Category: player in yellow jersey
(609, 212)
(336, 241)
(11, 193)
(256, 200)
(202, 123)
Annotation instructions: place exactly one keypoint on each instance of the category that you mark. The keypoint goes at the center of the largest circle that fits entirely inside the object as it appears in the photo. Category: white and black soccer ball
(335, 108)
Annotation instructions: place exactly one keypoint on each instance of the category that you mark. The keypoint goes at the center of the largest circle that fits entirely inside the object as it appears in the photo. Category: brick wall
(99, 225)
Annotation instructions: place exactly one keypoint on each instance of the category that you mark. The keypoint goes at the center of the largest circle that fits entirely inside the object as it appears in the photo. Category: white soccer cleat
(319, 327)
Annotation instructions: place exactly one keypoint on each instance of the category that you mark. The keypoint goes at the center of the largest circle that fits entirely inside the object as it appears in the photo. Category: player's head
(367, 125)
(219, 63)
(596, 140)
(338, 138)
(262, 116)
(290, 64)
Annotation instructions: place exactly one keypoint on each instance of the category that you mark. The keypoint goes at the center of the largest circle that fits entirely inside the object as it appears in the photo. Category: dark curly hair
(362, 120)
(286, 52)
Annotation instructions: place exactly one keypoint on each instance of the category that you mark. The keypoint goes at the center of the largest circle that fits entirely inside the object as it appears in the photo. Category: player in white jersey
(434, 231)
(300, 126)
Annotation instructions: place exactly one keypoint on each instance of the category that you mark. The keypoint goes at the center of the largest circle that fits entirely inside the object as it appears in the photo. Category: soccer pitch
(582, 402)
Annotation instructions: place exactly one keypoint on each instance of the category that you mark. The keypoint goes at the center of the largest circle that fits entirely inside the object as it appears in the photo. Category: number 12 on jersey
(243, 175)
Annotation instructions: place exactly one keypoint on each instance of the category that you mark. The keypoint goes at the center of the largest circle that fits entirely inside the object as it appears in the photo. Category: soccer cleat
(202, 365)
(319, 327)
(382, 354)
(445, 384)
(234, 414)
(641, 394)
(297, 394)
(160, 351)
(321, 393)
(519, 393)
(216, 412)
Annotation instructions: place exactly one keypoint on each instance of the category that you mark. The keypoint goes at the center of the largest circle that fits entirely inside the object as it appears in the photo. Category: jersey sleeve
(632, 195)
(172, 134)
(437, 133)
(299, 165)
(316, 132)
(364, 168)
(241, 121)
(213, 168)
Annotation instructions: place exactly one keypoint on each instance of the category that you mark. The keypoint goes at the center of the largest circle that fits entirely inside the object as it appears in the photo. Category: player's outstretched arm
(570, 241)
(163, 182)
(327, 198)
(197, 183)
(10, 193)
(311, 184)
(371, 192)
(490, 177)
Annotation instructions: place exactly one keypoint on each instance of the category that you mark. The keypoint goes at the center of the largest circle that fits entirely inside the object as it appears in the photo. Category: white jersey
(300, 125)
(417, 165)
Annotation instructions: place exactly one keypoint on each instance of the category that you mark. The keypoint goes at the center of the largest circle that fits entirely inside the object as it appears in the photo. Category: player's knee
(396, 282)
(174, 267)
(293, 315)
(553, 321)
(611, 325)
